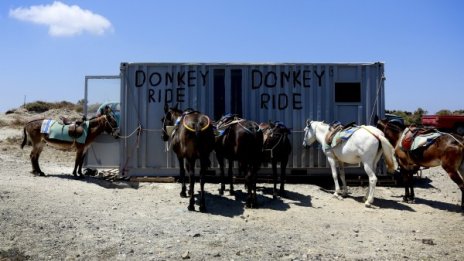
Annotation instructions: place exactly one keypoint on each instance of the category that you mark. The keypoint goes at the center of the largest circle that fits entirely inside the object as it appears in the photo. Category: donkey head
(169, 120)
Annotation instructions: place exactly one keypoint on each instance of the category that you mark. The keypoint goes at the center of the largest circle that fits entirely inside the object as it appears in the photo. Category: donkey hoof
(232, 192)
(337, 196)
(183, 194)
(203, 209)
(221, 192)
(191, 208)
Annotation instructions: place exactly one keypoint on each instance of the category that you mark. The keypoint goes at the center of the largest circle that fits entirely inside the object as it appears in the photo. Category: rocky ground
(62, 218)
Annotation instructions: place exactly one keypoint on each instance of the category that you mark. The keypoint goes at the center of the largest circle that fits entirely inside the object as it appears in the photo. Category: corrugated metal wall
(290, 93)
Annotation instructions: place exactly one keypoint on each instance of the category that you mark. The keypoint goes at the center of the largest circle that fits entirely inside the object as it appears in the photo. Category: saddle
(223, 124)
(334, 128)
(75, 128)
(411, 133)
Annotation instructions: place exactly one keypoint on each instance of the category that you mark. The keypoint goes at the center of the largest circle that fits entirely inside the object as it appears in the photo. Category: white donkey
(366, 145)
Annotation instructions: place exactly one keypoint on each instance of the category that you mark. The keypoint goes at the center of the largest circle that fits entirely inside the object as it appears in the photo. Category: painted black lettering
(296, 80)
(191, 78)
(269, 81)
(319, 77)
(306, 78)
(180, 78)
(203, 77)
(255, 73)
(151, 93)
(169, 78)
(155, 79)
(284, 78)
(180, 93)
(297, 101)
(167, 96)
(264, 100)
(139, 78)
(283, 101)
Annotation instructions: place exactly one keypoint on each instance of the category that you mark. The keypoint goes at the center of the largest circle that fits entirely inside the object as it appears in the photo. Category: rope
(376, 97)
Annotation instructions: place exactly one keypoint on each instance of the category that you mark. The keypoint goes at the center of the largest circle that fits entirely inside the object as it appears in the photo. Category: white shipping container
(287, 92)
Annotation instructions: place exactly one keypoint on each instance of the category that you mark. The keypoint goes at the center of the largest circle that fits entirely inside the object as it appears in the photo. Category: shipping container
(286, 92)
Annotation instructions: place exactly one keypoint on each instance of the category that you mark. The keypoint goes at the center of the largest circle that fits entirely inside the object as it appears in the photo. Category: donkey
(32, 132)
(276, 148)
(447, 150)
(242, 141)
(192, 138)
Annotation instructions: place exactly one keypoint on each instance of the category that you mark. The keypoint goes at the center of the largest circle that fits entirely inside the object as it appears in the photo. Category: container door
(227, 92)
(348, 102)
(102, 91)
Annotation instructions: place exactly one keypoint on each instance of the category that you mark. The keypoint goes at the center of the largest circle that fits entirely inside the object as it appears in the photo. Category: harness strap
(224, 126)
(375, 135)
(193, 130)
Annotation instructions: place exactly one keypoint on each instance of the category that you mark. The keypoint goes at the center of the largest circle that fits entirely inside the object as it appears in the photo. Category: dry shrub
(18, 121)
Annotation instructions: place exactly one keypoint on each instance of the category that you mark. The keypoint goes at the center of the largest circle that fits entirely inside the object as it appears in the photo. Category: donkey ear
(308, 122)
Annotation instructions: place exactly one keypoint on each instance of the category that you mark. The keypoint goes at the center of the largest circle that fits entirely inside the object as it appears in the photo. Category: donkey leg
(405, 177)
(182, 177)
(274, 178)
(249, 186)
(191, 171)
(372, 183)
(81, 162)
(342, 177)
(34, 156)
(283, 177)
(333, 167)
(220, 160)
(203, 164)
(230, 178)
(456, 177)
(79, 156)
(411, 197)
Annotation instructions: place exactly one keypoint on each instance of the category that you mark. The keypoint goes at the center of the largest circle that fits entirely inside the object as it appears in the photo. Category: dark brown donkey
(276, 148)
(192, 138)
(242, 141)
(32, 133)
(447, 150)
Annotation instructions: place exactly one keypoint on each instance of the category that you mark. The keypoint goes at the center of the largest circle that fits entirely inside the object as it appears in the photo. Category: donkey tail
(389, 154)
(24, 138)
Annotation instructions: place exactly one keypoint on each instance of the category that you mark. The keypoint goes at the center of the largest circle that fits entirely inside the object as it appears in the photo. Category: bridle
(107, 122)
(271, 134)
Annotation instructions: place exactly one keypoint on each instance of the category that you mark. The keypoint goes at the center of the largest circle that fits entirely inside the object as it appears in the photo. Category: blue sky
(48, 47)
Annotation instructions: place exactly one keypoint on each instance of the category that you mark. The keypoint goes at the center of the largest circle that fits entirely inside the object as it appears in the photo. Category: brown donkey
(447, 150)
(192, 138)
(33, 133)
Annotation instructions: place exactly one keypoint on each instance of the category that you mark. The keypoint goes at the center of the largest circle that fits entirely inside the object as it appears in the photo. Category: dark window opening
(219, 93)
(347, 92)
(236, 89)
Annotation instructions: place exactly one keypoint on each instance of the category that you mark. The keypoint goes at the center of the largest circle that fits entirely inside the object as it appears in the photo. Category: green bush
(37, 106)
(41, 106)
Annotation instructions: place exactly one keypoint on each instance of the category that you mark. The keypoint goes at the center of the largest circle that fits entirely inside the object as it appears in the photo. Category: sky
(48, 47)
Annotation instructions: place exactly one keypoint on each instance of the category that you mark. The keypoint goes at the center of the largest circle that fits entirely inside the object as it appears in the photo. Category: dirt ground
(61, 218)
